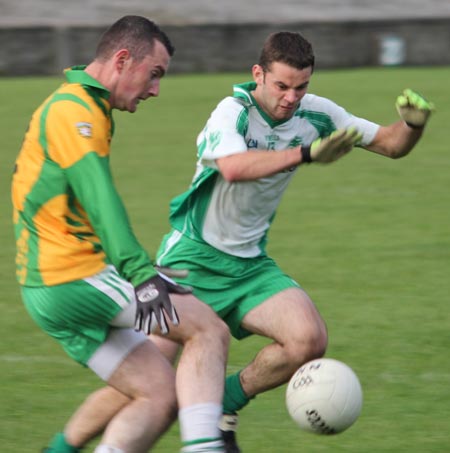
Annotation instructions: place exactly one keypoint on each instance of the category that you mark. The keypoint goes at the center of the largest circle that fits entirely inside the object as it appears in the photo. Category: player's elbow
(230, 175)
(230, 168)
(229, 172)
(398, 154)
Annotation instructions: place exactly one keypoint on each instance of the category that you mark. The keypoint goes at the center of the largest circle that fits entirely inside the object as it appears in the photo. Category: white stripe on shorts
(175, 236)
(110, 283)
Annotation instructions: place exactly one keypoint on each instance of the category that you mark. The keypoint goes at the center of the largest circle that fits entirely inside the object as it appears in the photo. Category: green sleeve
(92, 183)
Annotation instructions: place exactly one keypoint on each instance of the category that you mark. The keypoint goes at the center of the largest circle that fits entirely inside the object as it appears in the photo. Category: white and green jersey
(235, 217)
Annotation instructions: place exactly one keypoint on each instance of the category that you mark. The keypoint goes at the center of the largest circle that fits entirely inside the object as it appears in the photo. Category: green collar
(77, 74)
(243, 91)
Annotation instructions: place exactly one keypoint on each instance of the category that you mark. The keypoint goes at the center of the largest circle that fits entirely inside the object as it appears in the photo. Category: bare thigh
(144, 372)
(195, 318)
(285, 316)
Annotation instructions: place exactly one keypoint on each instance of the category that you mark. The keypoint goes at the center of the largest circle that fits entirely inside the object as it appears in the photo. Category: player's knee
(209, 329)
(163, 402)
(161, 394)
(308, 344)
(217, 334)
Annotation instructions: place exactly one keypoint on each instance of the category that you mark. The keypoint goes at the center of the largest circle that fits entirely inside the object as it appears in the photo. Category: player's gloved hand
(413, 109)
(331, 148)
(153, 303)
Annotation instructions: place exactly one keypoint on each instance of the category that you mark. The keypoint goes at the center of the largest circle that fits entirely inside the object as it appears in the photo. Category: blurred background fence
(40, 37)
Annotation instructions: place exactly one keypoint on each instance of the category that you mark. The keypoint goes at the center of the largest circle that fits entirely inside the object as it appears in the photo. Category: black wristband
(414, 126)
(305, 151)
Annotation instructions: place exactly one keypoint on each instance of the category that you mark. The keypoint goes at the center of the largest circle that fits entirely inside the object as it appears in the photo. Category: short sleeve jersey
(69, 219)
(235, 217)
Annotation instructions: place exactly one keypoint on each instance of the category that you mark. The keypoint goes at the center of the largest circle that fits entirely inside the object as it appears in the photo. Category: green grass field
(367, 237)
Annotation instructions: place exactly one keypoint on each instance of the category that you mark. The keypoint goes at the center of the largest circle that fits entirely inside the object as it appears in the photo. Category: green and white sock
(107, 449)
(199, 427)
(204, 447)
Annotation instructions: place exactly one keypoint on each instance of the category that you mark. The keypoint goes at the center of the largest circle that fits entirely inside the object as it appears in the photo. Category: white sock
(107, 449)
(199, 427)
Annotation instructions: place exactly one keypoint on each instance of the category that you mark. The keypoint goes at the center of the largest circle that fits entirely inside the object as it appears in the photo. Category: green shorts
(232, 286)
(77, 314)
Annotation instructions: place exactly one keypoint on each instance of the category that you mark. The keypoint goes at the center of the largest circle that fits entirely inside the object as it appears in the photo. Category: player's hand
(331, 148)
(413, 109)
(153, 304)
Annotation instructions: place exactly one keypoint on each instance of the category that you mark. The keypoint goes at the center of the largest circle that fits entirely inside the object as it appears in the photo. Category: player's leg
(100, 407)
(205, 339)
(299, 333)
(255, 297)
(202, 364)
(200, 375)
(148, 380)
(169, 348)
(93, 415)
(77, 315)
(292, 321)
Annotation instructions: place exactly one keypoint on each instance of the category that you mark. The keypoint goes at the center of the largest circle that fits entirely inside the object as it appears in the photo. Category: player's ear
(258, 74)
(122, 56)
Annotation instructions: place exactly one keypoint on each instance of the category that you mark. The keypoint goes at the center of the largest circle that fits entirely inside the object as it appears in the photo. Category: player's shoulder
(230, 106)
(316, 103)
(71, 97)
(233, 103)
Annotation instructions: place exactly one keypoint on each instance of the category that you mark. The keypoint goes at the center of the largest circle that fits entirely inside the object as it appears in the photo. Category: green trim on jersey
(96, 90)
(242, 122)
(321, 121)
(243, 91)
(77, 74)
(186, 216)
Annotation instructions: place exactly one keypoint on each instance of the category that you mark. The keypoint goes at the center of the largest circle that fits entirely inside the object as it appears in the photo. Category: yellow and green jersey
(69, 219)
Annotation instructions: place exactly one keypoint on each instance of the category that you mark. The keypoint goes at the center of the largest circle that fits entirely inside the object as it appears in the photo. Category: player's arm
(84, 156)
(399, 138)
(255, 164)
(252, 165)
(93, 185)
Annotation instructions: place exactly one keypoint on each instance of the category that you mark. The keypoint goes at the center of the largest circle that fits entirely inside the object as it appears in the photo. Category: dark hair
(287, 47)
(137, 34)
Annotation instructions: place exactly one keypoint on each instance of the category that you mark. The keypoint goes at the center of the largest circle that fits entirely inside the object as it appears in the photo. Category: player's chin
(132, 106)
(131, 109)
(284, 116)
(127, 108)
(284, 113)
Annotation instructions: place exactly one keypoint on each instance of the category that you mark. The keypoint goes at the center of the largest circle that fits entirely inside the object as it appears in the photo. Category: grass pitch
(367, 237)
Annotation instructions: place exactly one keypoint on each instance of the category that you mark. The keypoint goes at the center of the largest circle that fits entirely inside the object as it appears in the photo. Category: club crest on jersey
(295, 142)
(84, 129)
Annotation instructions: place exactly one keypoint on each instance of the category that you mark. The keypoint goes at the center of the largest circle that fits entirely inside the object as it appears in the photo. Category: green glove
(331, 148)
(413, 109)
